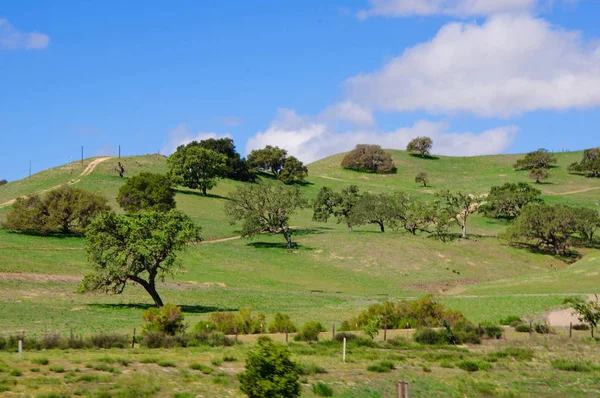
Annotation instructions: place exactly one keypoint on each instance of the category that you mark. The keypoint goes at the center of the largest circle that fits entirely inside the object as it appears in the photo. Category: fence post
(344, 354)
(401, 389)
(20, 349)
(286, 333)
(385, 331)
(570, 329)
(333, 331)
(133, 339)
(530, 329)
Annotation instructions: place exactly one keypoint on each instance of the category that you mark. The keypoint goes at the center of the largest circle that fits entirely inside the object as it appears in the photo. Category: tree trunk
(381, 226)
(204, 191)
(151, 289)
(288, 237)
(349, 227)
(592, 329)
(463, 228)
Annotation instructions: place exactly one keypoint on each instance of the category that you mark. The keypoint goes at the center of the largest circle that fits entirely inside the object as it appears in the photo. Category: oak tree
(196, 167)
(147, 191)
(507, 200)
(421, 145)
(370, 159)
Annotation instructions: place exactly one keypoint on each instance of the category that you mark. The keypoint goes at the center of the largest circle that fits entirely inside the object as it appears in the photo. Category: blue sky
(315, 77)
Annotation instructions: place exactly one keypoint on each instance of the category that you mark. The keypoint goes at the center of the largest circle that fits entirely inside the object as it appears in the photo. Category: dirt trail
(564, 317)
(88, 170)
(28, 276)
(575, 192)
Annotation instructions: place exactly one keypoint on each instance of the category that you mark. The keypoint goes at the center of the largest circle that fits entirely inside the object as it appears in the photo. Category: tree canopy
(147, 191)
(420, 145)
(338, 204)
(370, 159)
(65, 210)
(381, 209)
(293, 172)
(237, 168)
(270, 158)
(540, 159)
(538, 175)
(507, 200)
(266, 206)
(590, 163)
(459, 205)
(141, 248)
(196, 167)
(422, 178)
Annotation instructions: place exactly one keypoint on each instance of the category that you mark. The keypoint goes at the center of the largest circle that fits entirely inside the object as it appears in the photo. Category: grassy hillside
(480, 276)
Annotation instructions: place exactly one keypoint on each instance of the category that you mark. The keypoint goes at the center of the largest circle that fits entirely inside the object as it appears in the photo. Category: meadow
(332, 275)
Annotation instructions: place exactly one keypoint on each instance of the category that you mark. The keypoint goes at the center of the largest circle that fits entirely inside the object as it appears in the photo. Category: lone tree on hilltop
(147, 191)
(270, 158)
(538, 175)
(507, 200)
(422, 178)
(370, 159)
(540, 159)
(420, 145)
(65, 210)
(140, 248)
(3, 182)
(340, 204)
(237, 167)
(196, 167)
(265, 207)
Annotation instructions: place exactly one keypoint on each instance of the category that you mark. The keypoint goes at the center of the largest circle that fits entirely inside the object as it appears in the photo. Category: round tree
(147, 191)
(420, 145)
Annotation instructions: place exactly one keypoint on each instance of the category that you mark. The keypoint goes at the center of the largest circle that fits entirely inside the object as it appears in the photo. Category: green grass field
(332, 274)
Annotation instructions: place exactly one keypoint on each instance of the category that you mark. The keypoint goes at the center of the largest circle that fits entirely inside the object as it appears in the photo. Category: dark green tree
(147, 191)
(237, 167)
(294, 171)
(141, 248)
(338, 204)
(270, 372)
(507, 200)
(265, 207)
(196, 167)
(370, 159)
(540, 159)
(269, 158)
(590, 163)
(380, 209)
(588, 222)
(546, 225)
(421, 145)
(65, 210)
(417, 216)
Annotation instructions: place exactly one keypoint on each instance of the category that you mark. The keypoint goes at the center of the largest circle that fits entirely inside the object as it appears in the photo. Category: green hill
(332, 275)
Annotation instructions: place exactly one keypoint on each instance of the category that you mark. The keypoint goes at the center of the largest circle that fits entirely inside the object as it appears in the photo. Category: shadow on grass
(57, 235)
(570, 257)
(190, 309)
(197, 193)
(426, 157)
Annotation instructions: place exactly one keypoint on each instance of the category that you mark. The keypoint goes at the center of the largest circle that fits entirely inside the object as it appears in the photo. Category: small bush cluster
(463, 332)
(167, 319)
(425, 312)
(310, 332)
(194, 339)
(54, 340)
(241, 323)
(381, 367)
(321, 389)
(472, 366)
(510, 320)
(572, 366)
(581, 326)
(522, 328)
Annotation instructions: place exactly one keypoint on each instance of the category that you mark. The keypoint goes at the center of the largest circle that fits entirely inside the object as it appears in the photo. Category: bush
(3, 182)
(201, 367)
(466, 332)
(472, 366)
(51, 340)
(204, 327)
(147, 191)
(339, 337)
(281, 324)
(581, 326)
(109, 340)
(310, 332)
(492, 331)
(572, 366)
(270, 372)
(40, 361)
(214, 339)
(542, 328)
(167, 319)
(311, 369)
(430, 336)
(321, 389)
(65, 210)
(509, 320)
(522, 328)
(381, 367)
(370, 159)
(243, 322)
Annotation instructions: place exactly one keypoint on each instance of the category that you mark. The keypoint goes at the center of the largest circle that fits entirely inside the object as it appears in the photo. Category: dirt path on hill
(575, 192)
(30, 276)
(87, 171)
(332, 178)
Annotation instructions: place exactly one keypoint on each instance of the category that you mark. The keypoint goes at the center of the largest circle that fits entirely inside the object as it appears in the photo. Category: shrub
(65, 210)
(370, 159)
(16, 373)
(167, 319)
(51, 340)
(281, 324)
(310, 332)
(214, 339)
(581, 326)
(381, 367)
(3, 182)
(321, 389)
(429, 336)
(229, 358)
(204, 327)
(466, 332)
(339, 337)
(371, 328)
(40, 361)
(147, 191)
(572, 366)
(492, 331)
(109, 340)
(57, 369)
(201, 367)
(542, 328)
(472, 366)
(311, 369)
(270, 372)
(509, 320)
(522, 328)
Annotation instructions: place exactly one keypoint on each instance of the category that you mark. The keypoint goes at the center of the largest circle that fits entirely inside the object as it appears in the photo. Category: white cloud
(181, 135)
(456, 8)
(13, 39)
(348, 112)
(310, 140)
(506, 66)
